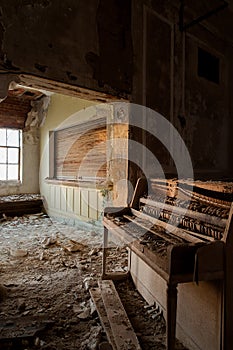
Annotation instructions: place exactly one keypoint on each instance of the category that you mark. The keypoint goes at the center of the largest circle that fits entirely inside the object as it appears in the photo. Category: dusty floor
(46, 271)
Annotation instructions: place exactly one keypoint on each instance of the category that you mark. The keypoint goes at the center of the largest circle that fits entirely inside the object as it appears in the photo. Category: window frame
(100, 124)
(8, 147)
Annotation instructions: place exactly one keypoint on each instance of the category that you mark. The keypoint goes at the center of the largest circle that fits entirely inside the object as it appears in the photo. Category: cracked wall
(167, 81)
(80, 43)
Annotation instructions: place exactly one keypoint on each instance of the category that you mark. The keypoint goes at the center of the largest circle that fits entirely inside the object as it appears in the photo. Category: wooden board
(18, 208)
(122, 330)
(98, 301)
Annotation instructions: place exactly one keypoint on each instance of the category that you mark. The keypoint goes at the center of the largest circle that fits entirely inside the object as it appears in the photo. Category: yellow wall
(67, 201)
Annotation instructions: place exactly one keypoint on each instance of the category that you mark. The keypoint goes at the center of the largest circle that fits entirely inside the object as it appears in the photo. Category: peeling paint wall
(207, 108)
(167, 81)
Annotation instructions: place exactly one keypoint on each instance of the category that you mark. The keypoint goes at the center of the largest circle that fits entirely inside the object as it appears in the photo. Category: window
(208, 66)
(10, 154)
(80, 151)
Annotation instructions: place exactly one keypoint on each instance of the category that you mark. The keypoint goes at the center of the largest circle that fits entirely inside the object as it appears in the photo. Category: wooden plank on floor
(122, 330)
(98, 301)
(22, 207)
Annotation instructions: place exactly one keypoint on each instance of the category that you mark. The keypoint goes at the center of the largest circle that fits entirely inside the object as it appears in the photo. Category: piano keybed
(154, 237)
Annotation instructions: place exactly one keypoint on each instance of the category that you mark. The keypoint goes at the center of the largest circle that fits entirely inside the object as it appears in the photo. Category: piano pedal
(150, 306)
(157, 315)
(151, 311)
(154, 310)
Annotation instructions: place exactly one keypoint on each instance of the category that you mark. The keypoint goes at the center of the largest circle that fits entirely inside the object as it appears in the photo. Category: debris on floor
(47, 272)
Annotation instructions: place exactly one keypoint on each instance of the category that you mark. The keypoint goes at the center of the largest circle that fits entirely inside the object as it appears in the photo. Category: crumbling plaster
(81, 43)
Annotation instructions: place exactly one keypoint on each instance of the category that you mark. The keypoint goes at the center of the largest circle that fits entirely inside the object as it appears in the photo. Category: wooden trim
(98, 185)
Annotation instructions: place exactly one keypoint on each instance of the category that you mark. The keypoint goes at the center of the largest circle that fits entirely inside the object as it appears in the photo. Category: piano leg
(110, 275)
(171, 315)
(105, 247)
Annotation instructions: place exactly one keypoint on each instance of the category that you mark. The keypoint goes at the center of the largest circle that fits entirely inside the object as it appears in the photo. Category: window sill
(10, 183)
(83, 183)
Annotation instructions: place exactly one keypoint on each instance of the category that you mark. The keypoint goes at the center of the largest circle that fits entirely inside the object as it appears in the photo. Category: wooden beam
(122, 330)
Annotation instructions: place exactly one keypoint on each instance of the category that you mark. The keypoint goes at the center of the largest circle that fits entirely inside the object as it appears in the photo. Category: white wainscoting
(74, 202)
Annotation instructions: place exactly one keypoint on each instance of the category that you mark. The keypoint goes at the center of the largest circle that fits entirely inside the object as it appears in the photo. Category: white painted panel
(85, 203)
(52, 196)
(63, 199)
(93, 205)
(57, 198)
(77, 203)
(70, 199)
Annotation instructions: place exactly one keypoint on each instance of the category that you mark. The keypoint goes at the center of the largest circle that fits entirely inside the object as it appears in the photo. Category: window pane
(2, 155)
(2, 172)
(13, 155)
(13, 172)
(12, 137)
(2, 137)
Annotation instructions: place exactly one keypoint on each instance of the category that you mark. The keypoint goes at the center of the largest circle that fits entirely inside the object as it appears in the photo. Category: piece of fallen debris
(88, 283)
(3, 292)
(84, 314)
(77, 309)
(105, 346)
(92, 306)
(48, 241)
(73, 246)
(18, 253)
(21, 305)
(93, 339)
(16, 331)
(93, 251)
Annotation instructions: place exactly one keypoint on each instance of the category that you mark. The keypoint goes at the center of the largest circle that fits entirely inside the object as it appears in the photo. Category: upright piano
(184, 233)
